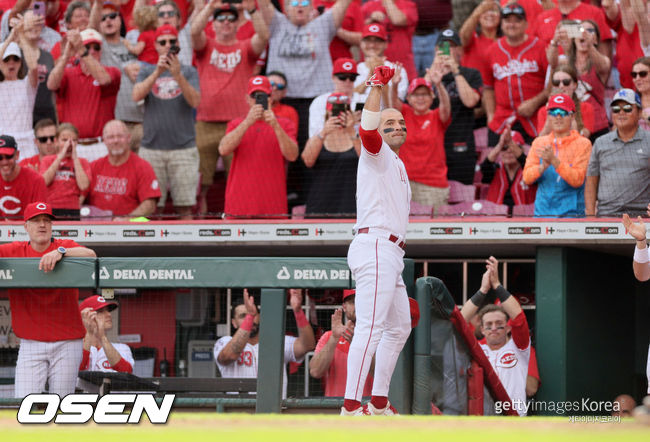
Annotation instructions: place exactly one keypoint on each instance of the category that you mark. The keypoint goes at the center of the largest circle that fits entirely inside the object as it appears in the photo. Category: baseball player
(509, 356)
(237, 355)
(331, 355)
(641, 261)
(100, 354)
(376, 253)
(47, 321)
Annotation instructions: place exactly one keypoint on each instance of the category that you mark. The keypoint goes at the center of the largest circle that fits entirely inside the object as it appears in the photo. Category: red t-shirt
(63, 192)
(122, 188)
(352, 21)
(223, 77)
(32, 162)
(286, 111)
(149, 53)
(28, 187)
(399, 37)
(475, 55)
(516, 74)
(546, 22)
(46, 315)
(628, 49)
(257, 182)
(423, 153)
(86, 104)
(337, 374)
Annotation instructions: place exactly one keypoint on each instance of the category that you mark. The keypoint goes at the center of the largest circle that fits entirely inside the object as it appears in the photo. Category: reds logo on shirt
(10, 205)
(225, 62)
(514, 67)
(507, 360)
(106, 365)
(166, 88)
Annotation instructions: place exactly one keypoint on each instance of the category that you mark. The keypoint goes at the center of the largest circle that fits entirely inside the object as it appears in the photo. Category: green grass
(196, 427)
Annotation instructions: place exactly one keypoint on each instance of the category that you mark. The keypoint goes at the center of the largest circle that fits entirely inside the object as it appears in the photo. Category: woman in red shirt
(478, 32)
(66, 176)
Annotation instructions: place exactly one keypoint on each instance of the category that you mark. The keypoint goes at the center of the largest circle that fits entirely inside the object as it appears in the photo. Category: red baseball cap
(336, 97)
(415, 312)
(37, 208)
(259, 83)
(416, 83)
(166, 30)
(561, 101)
(517, 138)
(374, 30)
(345, 66)
(348, 293)
(8, 145)
(96, 303)
(111, 5)
(89, 35)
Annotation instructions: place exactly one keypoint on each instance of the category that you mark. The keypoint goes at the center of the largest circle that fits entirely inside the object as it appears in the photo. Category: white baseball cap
(12, 49)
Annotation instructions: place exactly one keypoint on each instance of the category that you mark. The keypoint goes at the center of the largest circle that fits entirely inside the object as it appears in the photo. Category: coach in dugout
(47, 321)
(509, 356)
(330, 361)
(99, 353)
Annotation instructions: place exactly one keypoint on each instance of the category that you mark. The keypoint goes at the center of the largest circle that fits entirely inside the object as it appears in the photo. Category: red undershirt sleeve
(520, 331)
(85, 359)
(371, 140)
(123, 366)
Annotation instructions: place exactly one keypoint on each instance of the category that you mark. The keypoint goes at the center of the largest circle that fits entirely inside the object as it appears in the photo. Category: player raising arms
(376, 253)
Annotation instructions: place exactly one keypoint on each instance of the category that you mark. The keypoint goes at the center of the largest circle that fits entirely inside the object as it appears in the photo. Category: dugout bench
(273, 275)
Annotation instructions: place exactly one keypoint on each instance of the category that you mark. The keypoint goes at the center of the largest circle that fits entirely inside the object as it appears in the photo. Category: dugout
(273, 275)
(590, 315)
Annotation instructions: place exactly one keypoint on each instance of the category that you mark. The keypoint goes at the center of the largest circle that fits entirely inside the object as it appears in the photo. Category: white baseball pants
(383, 315)
(55, 362)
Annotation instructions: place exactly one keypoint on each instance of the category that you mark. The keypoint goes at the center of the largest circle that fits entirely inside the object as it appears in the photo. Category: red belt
(391, 238)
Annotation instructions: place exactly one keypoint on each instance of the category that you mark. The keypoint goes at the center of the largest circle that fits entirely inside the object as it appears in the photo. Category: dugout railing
(272, 275)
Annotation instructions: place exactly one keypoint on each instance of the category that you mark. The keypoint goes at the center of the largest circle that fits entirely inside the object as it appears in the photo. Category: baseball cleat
(388, 410)
(361, 411)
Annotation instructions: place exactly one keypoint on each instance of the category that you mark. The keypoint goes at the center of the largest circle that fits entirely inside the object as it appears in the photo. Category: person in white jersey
(99, 353)
(376, 254)
(509, 356)
(237, 356)
(641, 260)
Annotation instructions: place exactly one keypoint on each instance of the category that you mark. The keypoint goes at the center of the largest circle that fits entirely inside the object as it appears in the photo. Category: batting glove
(381, 76)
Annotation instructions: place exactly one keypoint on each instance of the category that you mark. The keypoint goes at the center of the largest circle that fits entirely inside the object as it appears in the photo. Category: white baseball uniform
(510, 362)
(246, 365)
(98, 361)
(376, 261)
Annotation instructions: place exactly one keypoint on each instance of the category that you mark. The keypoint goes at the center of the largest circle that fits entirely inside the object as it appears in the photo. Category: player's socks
(351, 405)
(379, 402)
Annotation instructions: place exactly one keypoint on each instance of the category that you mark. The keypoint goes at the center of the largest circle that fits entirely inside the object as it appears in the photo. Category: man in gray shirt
(299, 47)
(105, 18)
(171, 92)
(618, 176)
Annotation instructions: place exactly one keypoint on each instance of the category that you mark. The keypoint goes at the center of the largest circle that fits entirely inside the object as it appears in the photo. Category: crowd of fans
(531, 103)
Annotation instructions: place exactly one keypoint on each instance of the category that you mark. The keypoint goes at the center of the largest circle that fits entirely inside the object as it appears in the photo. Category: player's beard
(255, 330)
